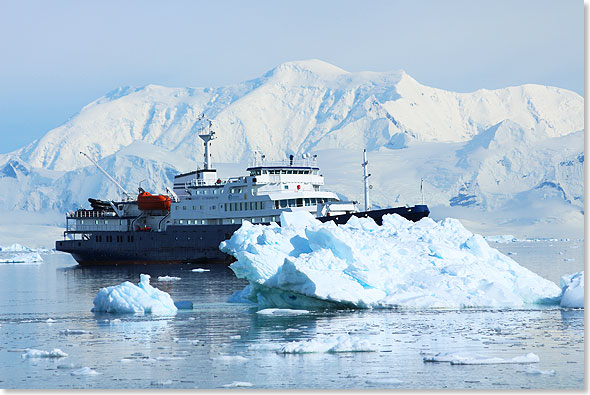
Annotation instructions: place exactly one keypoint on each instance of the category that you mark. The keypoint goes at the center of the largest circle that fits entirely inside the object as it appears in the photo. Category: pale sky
(57, 56)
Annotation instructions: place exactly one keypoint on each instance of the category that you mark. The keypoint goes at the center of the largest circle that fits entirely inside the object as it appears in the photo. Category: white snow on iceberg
(305, 263)
(130, 298)
(572, 286)
(473, 359)
(55, 353)
(342, 343)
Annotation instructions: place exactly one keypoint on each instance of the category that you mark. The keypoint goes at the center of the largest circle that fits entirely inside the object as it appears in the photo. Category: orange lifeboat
(146, 201)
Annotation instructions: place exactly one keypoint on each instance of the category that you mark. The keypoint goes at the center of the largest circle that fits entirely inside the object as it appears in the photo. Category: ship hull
(184, 244)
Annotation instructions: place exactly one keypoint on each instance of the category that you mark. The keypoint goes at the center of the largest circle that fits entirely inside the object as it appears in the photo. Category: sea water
(225, 345)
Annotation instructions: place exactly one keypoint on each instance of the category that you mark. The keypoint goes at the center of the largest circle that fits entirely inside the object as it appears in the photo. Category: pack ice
(306, 263)
(130, 298)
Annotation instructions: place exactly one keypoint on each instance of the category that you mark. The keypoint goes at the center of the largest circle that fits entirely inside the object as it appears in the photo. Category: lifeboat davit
(146, 201)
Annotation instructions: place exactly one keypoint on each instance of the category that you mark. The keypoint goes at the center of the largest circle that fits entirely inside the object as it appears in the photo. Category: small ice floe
(235, 337)
(474, 359)
(307, 264)
(501, 238)
(572, 294)
(184, 305)
(161, 383)
(131, 298)
(231, 359)
(569, 259)
(29, 258)
(342, 343)
(292, 330)
(85, 371)
(282, 312)
(50, 321)
(199, 270)
(55, 353)
(73, 332)
(538, 372)
(236, 384)
(165, 358)
(168, 278)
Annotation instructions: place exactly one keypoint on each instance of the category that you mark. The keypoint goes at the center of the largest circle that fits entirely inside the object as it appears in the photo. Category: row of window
(225, 221)
(278, 204)
(101, 222)
(109, 239)
(280, 171)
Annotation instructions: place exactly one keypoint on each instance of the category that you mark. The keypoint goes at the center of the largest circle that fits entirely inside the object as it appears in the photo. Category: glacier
(513, 154)
(130, 298)
(305, 264)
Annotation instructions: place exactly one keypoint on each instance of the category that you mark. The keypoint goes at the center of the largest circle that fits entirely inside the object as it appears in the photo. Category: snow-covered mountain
(487, 149)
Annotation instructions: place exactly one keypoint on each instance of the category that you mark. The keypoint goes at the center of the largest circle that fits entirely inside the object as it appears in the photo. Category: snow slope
(489, 149)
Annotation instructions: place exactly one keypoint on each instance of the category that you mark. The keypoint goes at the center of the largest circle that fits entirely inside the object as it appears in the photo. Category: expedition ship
(202, 210)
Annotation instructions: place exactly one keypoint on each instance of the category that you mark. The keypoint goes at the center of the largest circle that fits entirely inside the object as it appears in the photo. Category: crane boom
(127, 194)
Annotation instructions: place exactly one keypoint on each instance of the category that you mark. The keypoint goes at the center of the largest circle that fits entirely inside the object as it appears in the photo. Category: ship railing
(91, 214)
(295, 162)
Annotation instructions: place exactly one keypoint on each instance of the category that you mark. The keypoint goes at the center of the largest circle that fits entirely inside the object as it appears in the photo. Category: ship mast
(365, 180)
(207, 135)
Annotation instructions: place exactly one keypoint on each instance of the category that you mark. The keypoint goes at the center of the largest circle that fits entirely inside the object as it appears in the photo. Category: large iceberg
(305, 263)
(131, 298)
(572, 286)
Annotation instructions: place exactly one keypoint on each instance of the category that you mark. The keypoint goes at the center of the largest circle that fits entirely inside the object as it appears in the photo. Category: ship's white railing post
(365, 180)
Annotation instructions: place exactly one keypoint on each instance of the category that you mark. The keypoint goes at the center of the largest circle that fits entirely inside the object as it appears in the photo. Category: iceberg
(572, 286)
(307, 264)
(55, 353)
(27, 258)
(131, 298)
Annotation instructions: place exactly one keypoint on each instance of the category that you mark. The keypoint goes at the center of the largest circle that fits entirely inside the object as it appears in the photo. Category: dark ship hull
(184, 244)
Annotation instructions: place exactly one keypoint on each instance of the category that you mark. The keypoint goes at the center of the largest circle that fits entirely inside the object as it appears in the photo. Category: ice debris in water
(130, 298)
(342, 343)
(237, 384)
(572, 286)
(28, 258)
(85, 371)
(305, 263)
(537, 372)
(168, 278)
(282, 312)
(473, 359)
(55, 353)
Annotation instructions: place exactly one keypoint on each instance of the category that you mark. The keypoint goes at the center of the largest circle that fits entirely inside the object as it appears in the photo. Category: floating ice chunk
(343, 343)
(572, 286)
(50, 321)
(501, 238)
(169, 358)
(384, 382)
(161, 383)
(474, 359)
(85, 371)
(73, 332)
(236, 384)
(200, 270)
(232, 359)
(537, 372)
(15, 248)
(130, 298)
(69, 366)
(235, 337)
(29, 258)
(168, 278)
(282, 312)
(307, 264)
(55, 353)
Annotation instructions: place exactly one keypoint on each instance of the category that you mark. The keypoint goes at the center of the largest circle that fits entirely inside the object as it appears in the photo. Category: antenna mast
(365, 178)
(207, 134)
(127, 194)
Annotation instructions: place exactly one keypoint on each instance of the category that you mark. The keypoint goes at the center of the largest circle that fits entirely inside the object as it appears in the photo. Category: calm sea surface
(218, 344)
